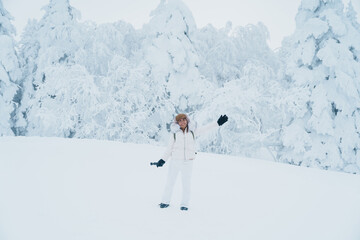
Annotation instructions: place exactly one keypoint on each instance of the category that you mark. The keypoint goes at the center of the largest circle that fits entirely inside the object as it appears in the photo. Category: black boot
(163, 205)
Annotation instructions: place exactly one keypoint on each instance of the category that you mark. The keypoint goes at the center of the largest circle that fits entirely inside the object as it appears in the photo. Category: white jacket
(182, 146)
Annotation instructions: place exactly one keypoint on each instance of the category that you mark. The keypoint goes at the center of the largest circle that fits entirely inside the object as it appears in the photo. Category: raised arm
(201, 130)
(204, 129)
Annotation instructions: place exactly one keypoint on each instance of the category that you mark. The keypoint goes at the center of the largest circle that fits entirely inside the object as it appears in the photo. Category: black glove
(160, 163)
(222, 119)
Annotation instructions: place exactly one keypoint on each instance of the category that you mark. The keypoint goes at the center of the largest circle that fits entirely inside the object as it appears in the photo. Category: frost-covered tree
(224, 52)
(55, 87)
(103, 42)
(170, 52)
(130, 107)
(243, 67)
(322, 71)
(29, 49)
(352, 15)
(10, 73)
(128, 103)
(252, 103)
(65, 106)
(218, 55)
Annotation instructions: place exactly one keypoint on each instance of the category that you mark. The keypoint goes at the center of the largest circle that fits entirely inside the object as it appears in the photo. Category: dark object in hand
(164, 205)
(159, 163)
(222, 119)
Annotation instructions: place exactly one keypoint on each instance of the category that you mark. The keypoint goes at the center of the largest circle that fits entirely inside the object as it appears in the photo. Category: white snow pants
(185, 168)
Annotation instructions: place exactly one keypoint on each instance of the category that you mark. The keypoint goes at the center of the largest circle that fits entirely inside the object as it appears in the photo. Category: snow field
(88, 189)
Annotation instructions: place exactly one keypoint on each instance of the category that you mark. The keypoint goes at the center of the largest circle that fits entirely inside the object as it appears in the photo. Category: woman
(181, 149)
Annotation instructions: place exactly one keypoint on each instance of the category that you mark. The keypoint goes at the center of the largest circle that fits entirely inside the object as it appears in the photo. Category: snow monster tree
(57, 90)
(170, 51)
(322, 72)
(10, 73)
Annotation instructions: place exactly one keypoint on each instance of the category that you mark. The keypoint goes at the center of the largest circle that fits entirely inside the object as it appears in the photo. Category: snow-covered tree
(170, 52)
(29, 49)
(252, 103)
(218, 56)
(130, 107)
(224, 52)
(65, 106)
(322, 71)
(243, 67)
(127, 103)
(55, 85)
(10, 73)
(352, 15)
(103, 42)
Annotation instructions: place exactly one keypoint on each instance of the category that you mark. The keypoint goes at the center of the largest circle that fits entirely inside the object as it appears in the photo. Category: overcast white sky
(277, 15)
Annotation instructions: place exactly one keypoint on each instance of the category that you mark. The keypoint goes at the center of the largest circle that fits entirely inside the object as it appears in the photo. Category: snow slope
(67, 189)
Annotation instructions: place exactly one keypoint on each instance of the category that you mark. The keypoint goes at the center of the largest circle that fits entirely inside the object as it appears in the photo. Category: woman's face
(182, 123)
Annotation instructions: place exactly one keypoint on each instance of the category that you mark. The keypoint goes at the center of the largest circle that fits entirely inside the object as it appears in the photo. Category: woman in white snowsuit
(181, 149)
